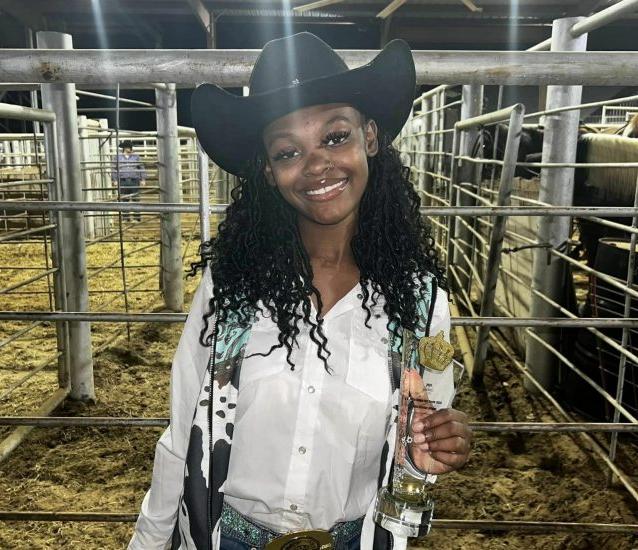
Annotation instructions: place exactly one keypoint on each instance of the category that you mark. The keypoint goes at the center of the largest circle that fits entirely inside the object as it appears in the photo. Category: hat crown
(292, 60)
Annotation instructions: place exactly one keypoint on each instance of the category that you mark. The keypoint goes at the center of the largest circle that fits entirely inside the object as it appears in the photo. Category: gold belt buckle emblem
(316, 539)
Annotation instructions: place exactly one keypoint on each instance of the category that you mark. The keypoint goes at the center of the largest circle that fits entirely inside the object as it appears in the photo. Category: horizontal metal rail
(629, 322)
(23, 233)
(567, 363)
(113, 98)
(18, 112)
(591, 442)
(603, 17)
(232, 68)
(43, 364)
(578, 211)
(592, 383)
(622, 165)
(16, 335)
(593, 22)
(529, 527)
(33, 279)
(582, 106)
(463, 188)
(16, 183)
(160, 422)
(116, 109)
(534, 526)
(489, 118)
(432, 93)
(11, 442)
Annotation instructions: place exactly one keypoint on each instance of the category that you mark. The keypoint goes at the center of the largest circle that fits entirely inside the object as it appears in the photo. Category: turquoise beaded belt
(233, 524)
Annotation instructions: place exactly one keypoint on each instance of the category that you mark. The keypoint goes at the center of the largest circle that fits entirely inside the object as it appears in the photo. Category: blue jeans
(130, 192)
(231, 543)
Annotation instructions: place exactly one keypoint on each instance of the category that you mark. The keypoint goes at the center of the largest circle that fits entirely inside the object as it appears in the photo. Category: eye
(336, 138)
(286, 154)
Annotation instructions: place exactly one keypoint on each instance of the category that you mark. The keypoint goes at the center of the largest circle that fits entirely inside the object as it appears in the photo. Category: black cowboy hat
(295, 72)
(126, 144)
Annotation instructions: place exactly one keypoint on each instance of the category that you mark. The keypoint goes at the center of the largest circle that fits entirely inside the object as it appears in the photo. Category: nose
(318, 164)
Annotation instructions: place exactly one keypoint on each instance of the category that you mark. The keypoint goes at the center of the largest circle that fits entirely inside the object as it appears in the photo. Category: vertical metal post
(60, 98)
(57, 252)
(420, 150)
(105, 219)
(172, 283)
(622, 366)
(471, 106)
(451, 222)
(204, 190)
(33, 94)
(556, 188)
(440, 234)
(427, 147)
(211, 34)
(85, 170)
(496, 238)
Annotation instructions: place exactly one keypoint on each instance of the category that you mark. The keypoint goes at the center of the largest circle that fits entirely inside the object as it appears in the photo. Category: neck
(328, 246)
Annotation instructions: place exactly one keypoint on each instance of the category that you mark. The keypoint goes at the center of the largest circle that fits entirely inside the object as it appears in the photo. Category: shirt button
(293, 507)
(384, 340)
(311, 389)
(302, 450)
(360, 296)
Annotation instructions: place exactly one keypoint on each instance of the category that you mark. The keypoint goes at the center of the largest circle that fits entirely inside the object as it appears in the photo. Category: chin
(329, 218)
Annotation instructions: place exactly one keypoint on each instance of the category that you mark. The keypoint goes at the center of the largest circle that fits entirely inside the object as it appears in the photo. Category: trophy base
(401, 518)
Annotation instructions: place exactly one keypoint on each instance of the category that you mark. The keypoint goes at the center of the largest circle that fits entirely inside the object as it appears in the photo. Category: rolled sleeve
(158, 514)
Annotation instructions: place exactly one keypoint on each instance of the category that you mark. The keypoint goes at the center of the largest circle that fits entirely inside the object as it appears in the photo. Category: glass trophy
(405, 506)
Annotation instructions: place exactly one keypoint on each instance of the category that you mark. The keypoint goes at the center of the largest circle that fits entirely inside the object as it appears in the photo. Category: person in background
(128, 172)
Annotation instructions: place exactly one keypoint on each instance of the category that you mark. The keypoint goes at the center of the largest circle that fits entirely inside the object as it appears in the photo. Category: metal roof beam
(315, 5)
(201, 12)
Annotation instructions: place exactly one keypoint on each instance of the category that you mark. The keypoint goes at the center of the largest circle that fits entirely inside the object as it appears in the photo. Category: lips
(326, 189)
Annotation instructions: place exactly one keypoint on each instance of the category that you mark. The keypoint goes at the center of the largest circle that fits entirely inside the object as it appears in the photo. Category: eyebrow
(283, 133)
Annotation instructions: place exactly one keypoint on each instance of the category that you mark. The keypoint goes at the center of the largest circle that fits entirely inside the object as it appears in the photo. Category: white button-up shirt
(307, 443)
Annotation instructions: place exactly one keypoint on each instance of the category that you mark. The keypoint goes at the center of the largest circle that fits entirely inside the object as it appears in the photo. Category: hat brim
(229, 127)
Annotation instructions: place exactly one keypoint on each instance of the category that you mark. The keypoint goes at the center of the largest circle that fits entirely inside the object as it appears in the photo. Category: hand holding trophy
(405, 507)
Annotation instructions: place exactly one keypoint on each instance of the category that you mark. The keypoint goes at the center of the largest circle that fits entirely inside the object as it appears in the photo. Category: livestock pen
(507, 277)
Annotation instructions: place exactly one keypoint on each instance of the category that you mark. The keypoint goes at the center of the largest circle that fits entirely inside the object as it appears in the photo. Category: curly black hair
(258, 259)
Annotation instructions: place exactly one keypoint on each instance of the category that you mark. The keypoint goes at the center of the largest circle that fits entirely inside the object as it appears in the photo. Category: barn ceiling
(495, 24)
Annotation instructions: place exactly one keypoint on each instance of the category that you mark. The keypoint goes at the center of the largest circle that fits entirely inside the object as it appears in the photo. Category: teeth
(324, 190)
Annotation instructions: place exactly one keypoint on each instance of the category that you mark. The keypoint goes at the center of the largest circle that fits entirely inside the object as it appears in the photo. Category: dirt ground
(531, 477)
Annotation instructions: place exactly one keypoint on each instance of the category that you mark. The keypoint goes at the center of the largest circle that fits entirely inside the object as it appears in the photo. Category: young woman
(321, 262)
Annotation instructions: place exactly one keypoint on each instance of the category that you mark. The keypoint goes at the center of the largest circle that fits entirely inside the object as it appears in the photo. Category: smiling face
(317, 158)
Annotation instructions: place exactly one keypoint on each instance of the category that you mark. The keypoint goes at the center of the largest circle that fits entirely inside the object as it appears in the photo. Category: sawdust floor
(534, 477)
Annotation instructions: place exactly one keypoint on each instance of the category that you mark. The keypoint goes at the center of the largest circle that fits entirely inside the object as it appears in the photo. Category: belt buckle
(316, 539)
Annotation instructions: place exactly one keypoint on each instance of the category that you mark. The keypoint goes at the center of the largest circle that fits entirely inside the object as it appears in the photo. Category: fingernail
(418, 426)
(428, 435)
(419, 438)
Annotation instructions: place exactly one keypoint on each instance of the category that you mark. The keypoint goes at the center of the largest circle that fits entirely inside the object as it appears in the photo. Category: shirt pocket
(368, 373)
(368, 370)
(257, 367)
